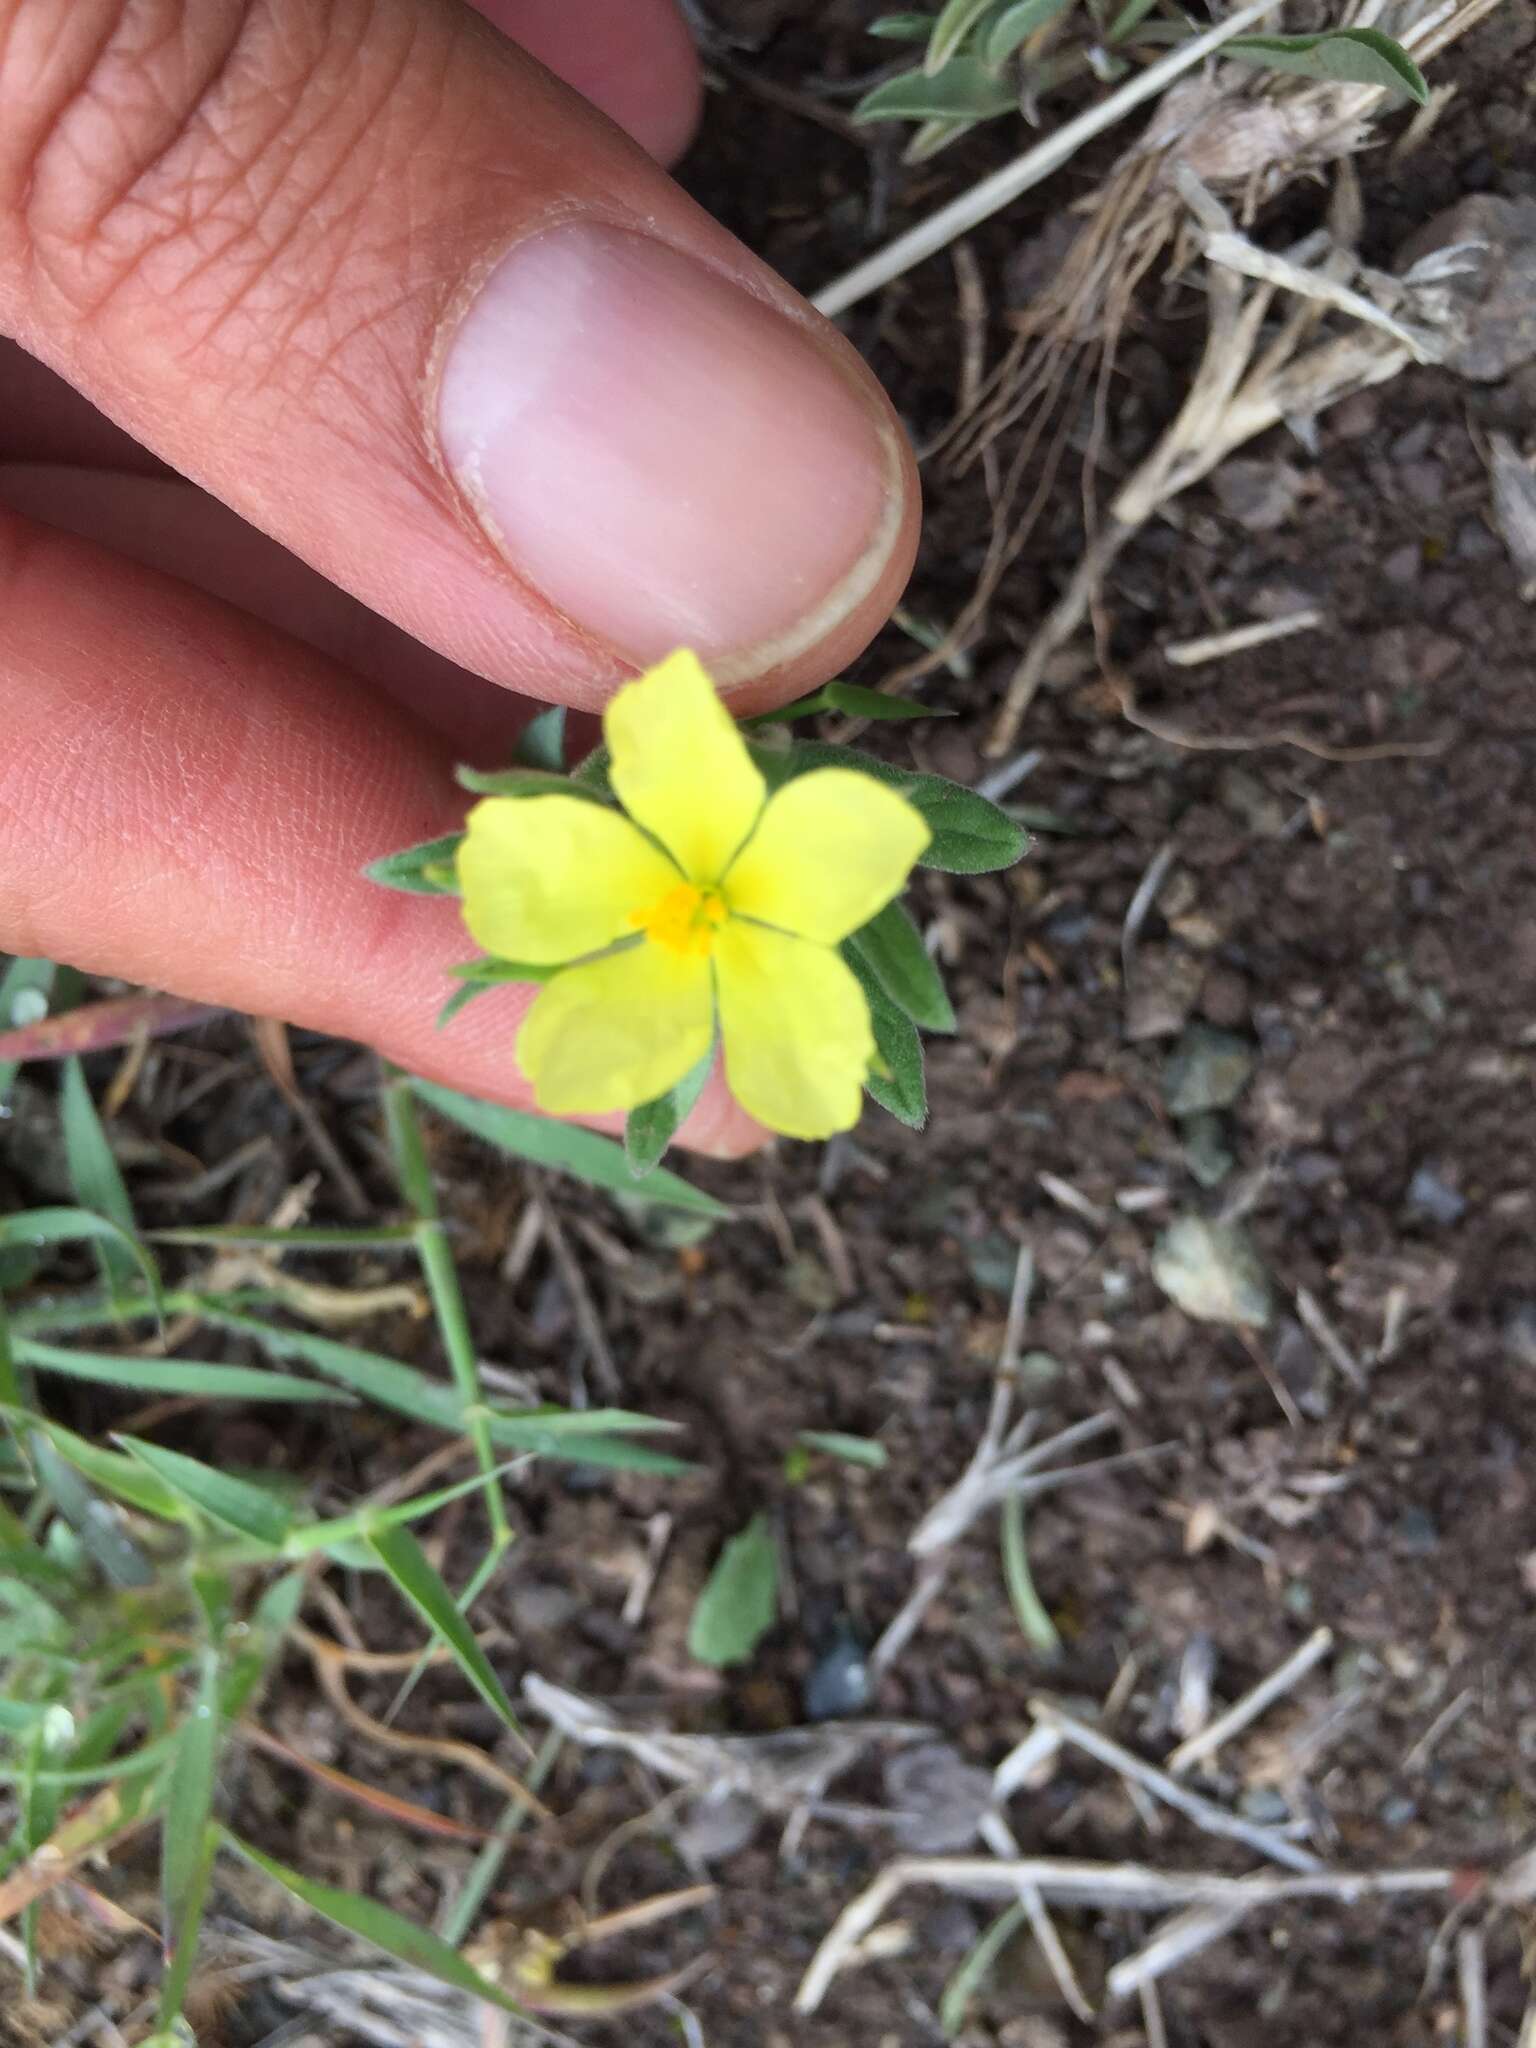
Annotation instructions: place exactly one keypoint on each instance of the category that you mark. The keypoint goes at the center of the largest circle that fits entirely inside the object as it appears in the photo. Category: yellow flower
(712, 902)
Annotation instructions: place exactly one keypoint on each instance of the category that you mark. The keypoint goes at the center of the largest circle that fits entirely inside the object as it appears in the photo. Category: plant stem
(442, 1278)
(1037, 1625)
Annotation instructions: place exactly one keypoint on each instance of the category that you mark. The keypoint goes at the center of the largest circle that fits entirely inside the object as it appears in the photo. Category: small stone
(1416, 1533)
(837, 1684)
(1259, 495)
(1495, 296)
(1397, 1811)
(716, 1826)
(1207, 1069)
(938, 1798)
(1224, 997)
(1431, 1196)
(1266, 1804)
(1403, 565)
(1212, 1272)
(1164, 985)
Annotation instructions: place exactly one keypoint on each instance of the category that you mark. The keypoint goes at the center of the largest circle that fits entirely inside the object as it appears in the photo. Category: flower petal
(831, 849)
(548, 878)
(615, 1032)
(680, 767)
(796, 1028)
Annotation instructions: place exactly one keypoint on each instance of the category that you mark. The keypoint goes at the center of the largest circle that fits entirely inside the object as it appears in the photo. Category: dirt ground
(1362, 936)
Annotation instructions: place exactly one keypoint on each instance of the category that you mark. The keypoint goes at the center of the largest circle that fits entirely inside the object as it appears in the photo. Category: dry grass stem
(1214, 646)
(1248, 1709)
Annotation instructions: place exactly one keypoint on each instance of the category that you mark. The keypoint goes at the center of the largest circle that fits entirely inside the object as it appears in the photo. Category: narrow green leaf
(855, 702)
(590, 1158)
(248, 1509)
(416, 1578)
(521, 782)
(740, 1600)
(1033, 1617)
(425, 870)
(379, 1379)
(380, 1237)
(182, 1937)
(25, 988)
(930, 137)
(956, 20)
(541, 743)
(95, 1176)
(853, 1450)
(110, 1470)
(964, 90)
(1130, 17)
(387, 1930)
(190, 1376)
(903, 28)
(1352, 56)
(189, 1800)
(64, 1226)
(97, 1524)
(492, 972)
(977, 1967)
(892, 948)
(1016, 24)
(274, 1614)
(897, 1083)
(356, 1528)
(650, 1129)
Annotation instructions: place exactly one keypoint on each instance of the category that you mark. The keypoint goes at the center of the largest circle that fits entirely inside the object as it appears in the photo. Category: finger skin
(243, 228)
(187, 799)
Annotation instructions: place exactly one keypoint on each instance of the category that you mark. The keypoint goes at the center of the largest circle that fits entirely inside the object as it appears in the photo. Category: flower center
(685, 920)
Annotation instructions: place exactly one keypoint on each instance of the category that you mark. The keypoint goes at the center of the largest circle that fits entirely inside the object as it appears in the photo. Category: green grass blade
(387, 1930)
(867, 1451)
(183, 1931)
(977, 1967)
(122, 1477)
(196, 1377)
(94, 1174)
(189, 1802)
(97, 1525)
(235, 1503)
(65, 1226)
(418, 1581)
(1034, 1620)
(564, 1148)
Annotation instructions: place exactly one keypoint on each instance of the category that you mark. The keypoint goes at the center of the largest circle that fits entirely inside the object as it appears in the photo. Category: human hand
(478, 402)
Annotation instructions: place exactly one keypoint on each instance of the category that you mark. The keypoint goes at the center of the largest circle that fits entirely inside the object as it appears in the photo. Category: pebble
(1431, 1196)
(838, 1683)
(1207, 1069)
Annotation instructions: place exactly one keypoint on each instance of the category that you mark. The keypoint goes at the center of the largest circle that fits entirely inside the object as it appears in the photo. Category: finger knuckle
(197, 157)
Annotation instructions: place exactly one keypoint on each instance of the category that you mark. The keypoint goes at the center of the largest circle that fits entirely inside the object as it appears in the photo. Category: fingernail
(667, 459)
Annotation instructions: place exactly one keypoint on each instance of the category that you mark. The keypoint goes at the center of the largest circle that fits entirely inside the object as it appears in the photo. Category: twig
(1004, 186)
(1140, 903)
(1176, 735)
(1310, 1310)
(1176, 1939)
(1205, 1813)
(1472, 1982)
(1253, 1703)
(1418, 1756)
(1213, 646)
(1152, 2015)
(1129, 1887)
(1049, 1942)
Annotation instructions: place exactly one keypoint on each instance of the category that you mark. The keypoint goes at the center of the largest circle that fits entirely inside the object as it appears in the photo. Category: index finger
(424, 316)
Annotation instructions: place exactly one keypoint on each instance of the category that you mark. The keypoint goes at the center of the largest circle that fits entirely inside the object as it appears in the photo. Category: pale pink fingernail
(667, 459)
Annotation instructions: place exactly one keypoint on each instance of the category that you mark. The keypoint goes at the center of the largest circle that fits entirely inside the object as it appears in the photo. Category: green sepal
(650, 1129)
(426, 870)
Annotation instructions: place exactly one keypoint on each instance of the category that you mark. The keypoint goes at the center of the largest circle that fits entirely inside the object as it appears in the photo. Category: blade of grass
(196, 1377)
(109, 1470)
(181, 1952)
(460, 1912)
(94, 1174)
(973, 1972)
(189, 1806)
(63, 1225)
(1038, 1628)
(416, 1578)
(247, 1509)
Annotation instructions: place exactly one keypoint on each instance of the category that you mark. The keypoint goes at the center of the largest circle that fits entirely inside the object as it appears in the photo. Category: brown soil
(1368, 931)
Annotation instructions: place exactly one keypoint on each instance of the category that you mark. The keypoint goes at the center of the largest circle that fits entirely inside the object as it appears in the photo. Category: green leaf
(853, 1450)
(956, 20)
(1352, 56)
(1131, 16)
(971, 836)
(25, 988)
(417, 1580)
(425, 870)
(97, 1525)
(903, 28)
(387, 1930)
(492, 972)
(63, 1226)
(521, 782)
(274, 1614)
(964, 90)
(189, 1799)
(897, 1084)
(740, 1600)
(109, 1470)
(236, 1503)
(650, 1129)
(595, 1160)
(1016, 24)
(855, 702)
(190, 1376)
(892, 948)
(182, 1932)
(541, 743)
(94, 1175)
